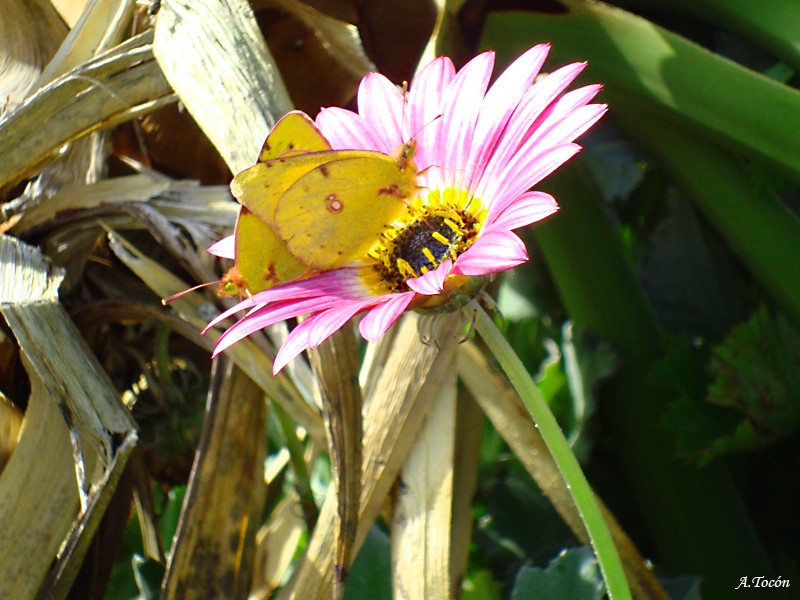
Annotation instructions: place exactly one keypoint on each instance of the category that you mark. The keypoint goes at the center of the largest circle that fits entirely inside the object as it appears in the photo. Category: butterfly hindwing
(262, 258)
(294, 133)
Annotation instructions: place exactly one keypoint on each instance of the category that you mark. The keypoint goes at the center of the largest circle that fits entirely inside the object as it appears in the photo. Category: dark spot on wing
(392, 190)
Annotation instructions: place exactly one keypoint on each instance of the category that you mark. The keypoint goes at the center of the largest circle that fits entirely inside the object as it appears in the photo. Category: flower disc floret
(440, 227)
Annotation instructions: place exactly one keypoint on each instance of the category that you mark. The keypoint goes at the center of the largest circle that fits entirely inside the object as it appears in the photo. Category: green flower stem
(302, 479)
(552, 435)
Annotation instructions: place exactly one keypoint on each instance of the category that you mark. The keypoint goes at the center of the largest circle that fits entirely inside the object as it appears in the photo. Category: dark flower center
(423, 244)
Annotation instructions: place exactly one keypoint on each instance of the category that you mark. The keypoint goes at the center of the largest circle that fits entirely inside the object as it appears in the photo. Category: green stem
(565, 460)
(302, 481)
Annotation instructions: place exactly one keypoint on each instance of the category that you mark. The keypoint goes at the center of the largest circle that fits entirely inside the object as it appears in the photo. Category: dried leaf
(30, 33)
(110, 89)
(215, 58)
(336, 365)
(423, 510)
(213, 552)
(248, 354)
(67, 385)
(393, 416)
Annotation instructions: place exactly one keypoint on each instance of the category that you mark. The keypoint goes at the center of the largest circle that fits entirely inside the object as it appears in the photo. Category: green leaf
(685, 587)
(480, 585)
(748, 397)
(371, 573)
(771, 24)
(695, 423)
(574, 575)
(691, 280)
(170, 514)
(757, 372)
(507, 491)
(587, 362)
(666, 74)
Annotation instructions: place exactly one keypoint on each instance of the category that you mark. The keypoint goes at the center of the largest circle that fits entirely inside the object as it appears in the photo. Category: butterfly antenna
(169, 299)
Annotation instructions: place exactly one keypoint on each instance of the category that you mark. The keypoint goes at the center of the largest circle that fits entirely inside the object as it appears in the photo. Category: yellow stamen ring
(441, 227)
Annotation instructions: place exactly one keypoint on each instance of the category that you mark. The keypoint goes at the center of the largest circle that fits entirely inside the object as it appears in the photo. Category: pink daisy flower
(481, 149)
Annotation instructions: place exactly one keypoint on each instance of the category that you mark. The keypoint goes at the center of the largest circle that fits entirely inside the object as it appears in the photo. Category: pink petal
(343, 284)
(534, 102)
(224, 248)
(501, 100)
(345, 130)
(526, 170)
(566, 119)
(432, 282)
(463, 99)
(269, 315)
(315, 330)
(492, 252)
(380, 104)
(377, 321)
(524, 210)
(425, 105)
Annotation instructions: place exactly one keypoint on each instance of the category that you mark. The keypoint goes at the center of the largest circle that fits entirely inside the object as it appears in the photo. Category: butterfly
(327, 206)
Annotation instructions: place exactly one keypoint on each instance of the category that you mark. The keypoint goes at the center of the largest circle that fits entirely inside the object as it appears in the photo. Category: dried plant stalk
(39, 491)
(392, 418)
(215, 58)
(215, 541)
(336, 365)
(110, 89)
(30, 34)
(101, 26)
(38, 496)
(470, 422)
(276, 546)
(247, 354)
(423, 510)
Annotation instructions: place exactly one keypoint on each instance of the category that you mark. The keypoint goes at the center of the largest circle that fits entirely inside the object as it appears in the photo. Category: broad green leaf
(574, 575)
(371, 573)
(669, 75)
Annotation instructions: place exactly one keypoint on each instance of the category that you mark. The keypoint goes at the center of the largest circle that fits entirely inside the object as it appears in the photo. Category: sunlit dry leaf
(276, 546)
(30, 33)
(423, 510)
(70, 10)
(336, 365)
(470, 422)
(10, 423)
(110, 89)
(214, 544)
(67, 386)
(215, 58)
(248, 354)
(392, 419)
(182, 201)
(101, 26)
(38, 496)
